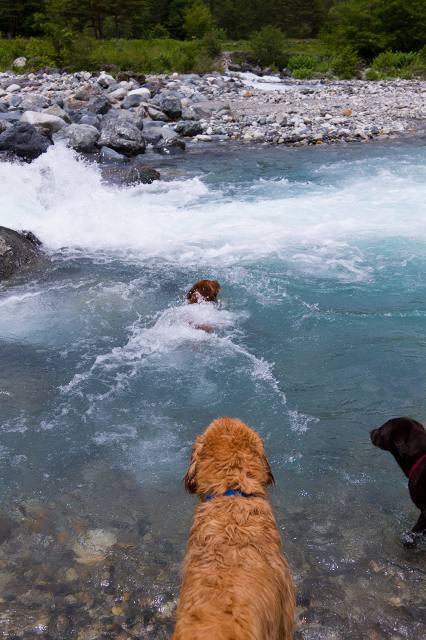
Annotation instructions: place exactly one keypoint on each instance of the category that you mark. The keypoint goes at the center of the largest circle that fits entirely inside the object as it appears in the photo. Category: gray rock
(6, 523)
(171, 146)
(170, 104)
(18, 251)
(25, 141)
(131, 101)
(82, 137)
(109, 155)
(44, 120)
(99, 104)
(20, 63)
(11, 116)
(34, 102)
(118, 94)
(123, 136)
(13, 87)
(3, 108)
(157, 115)
(56, 110)
(90, 119)
(189, 128)
(105, 80)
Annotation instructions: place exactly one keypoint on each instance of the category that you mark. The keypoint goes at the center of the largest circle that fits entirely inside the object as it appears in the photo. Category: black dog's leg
(410, 538)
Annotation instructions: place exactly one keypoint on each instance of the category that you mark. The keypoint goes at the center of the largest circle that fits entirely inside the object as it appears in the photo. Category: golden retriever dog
(203, 290)
(236, 584)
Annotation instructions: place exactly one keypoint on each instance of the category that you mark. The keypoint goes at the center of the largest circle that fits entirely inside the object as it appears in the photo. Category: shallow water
(105, 381)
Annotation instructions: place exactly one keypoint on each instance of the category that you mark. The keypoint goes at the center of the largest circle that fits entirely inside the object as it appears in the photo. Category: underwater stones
(82, 137)
(123, 136)
(17, 252)
(137, 174)
(109, 155)
(6, 523)
(93, 546)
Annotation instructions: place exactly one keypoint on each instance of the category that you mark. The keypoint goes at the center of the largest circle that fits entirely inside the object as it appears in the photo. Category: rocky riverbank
(117, 117)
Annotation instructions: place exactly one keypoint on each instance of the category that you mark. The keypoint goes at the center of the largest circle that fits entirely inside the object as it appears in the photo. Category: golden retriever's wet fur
(236, 582)
(206, 290)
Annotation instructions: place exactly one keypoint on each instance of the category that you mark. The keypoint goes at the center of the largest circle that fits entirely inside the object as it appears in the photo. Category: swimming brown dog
(236, 582)
(405, 438)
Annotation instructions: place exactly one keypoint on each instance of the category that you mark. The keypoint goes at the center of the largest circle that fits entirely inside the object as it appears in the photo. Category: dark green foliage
(346, 63)
(268, 47)
(198, 20)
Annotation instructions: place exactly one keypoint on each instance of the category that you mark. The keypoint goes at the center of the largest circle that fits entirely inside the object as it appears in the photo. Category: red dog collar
(416, 465)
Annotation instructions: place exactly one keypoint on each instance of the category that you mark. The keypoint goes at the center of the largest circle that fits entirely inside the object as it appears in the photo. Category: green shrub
(372, 74)
(389, 61)
(303, 73)
(212, 43)
(302, 62)
(346, 63)
(268, 46)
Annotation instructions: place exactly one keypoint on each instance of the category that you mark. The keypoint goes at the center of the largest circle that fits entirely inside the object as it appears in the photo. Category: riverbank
(120, 117)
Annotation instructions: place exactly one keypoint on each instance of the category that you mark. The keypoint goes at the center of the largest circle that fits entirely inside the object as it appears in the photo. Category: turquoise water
(319, 336)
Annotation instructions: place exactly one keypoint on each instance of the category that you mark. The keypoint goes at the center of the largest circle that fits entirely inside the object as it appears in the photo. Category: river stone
(13, 87)
(109, 155)
(34, 102)
(171, 146)
(157, 115)
(105, 80)
(56, 110)
(6, 523)
(25, 141)
(142, 91)
(131, 101)
(169, 104)
(18, 251)
(118, 94)
(99, 104)
(82, 137)
(44, 120)
(189, 128)
(123, 136)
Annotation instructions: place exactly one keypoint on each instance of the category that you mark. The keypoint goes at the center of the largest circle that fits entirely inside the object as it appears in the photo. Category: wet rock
(17, 252)
(137, 174)
(82, 137)
(189, 128)
(152, 132)
(170, 146)
(123, 136)
(25, 141)
(45, 120)
(109, 155)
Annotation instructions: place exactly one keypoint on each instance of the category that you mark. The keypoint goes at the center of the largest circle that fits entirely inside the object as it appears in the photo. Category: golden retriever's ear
(190, 479)
(270, 475)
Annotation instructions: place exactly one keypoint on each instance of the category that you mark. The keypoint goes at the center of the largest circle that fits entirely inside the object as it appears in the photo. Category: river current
(319, 336)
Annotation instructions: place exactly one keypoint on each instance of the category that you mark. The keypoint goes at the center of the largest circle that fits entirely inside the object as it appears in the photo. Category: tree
(198, 20)
(268, 46)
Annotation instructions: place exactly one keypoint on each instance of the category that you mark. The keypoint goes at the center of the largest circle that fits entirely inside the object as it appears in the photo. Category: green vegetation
(314, 38)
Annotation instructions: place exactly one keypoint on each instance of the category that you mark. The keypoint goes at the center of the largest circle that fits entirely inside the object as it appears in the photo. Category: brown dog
(207, 290)
(405, 438)
(236, 582)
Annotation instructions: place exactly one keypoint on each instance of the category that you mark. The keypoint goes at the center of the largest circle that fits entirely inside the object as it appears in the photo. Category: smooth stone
(99, 104)
(142, 91)
(56, 110)
(20, 62)
(169, 104)
(157, 115)
(93, 546)
(171, 146)
(105, 80)
(118, 94)
(131, 101)
(34, 102)
(12, 88)
(189, 128)
(45, 120)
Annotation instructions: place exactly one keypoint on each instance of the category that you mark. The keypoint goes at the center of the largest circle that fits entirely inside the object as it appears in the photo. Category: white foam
(320, 228)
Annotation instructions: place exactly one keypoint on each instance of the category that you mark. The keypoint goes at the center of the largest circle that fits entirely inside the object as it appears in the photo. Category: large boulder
(18, 251)
(44, 120)
(25, 141)
(82, 137)
(123, 136)
(99, 104)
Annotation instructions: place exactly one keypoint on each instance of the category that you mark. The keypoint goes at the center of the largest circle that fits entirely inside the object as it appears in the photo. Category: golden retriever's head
(207, 290)
(228, 455)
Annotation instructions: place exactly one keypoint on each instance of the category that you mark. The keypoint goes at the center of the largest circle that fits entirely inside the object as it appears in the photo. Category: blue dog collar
(230, 492)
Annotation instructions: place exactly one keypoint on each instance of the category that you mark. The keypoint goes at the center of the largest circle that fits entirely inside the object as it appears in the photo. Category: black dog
(405, 438)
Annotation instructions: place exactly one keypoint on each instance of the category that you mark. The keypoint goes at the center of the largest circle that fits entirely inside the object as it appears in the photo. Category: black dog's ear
(190, 479)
